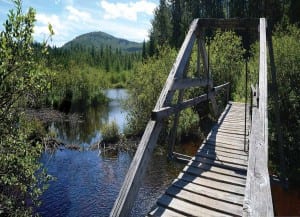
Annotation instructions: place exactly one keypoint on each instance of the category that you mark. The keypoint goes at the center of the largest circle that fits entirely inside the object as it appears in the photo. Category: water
(87, 131)
(87, 184)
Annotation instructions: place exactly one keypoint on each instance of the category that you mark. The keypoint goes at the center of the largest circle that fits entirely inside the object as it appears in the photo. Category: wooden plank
(164, 212)
(161, 113)
(220, 87)
(137, 168)
(188, 83)
(209, 192)
(230, 171)
(258, 199)
(232, 23)
(222, 164)
(227, 141)
(200, 200)
(225, 154)
(224, 144)
(215, 176)
(187, 208)
(208, 73)
(216, 157)
(179, 66)
(226, 150)
(214, 184)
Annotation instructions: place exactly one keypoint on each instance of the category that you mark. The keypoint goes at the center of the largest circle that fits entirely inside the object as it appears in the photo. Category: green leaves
(22, 81)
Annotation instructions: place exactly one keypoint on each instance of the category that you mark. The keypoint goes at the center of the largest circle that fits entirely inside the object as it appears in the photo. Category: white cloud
(44, 20)
(73, 21)
(127, 11)
(77, 15)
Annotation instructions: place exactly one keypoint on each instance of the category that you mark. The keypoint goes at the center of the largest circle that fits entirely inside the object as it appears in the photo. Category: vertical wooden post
(207, 70)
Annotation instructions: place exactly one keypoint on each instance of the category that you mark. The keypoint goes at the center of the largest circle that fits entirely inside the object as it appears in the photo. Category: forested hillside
(99, 40)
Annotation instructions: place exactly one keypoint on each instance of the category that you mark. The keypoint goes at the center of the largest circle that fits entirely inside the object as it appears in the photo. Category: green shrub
(286, 45)
(144, 87)
(22, 80)
(110, 132)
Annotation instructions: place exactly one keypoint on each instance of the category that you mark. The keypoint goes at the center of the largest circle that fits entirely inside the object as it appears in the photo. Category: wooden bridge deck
(213, 182)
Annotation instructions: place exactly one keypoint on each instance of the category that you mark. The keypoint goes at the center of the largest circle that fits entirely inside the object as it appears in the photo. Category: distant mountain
(98, 39)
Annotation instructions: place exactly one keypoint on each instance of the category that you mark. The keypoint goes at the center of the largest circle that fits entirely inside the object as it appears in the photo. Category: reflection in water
(87, 131)
(87, 184)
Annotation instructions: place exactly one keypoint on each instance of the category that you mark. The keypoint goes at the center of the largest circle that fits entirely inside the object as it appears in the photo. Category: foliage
(21, 83)
(77, 87)
(83, 71)
(110, 132)
(145, 85)
(172, 18)
(188, 121)
(286, 47)
(227, 63)
(144, 88)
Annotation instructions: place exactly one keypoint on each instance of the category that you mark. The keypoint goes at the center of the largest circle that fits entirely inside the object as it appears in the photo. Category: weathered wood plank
(216, 157)
(258, 200)
(137, 168)
(179, 66)
(210, 183)
(222, 164)
(179, 84)
(209, 192)
(215, 176)
(220, 87)
(232, 23)
(187, 208)
(230, 171)
(164, 212)
(200, 200)
(225, 154)
(220, 149)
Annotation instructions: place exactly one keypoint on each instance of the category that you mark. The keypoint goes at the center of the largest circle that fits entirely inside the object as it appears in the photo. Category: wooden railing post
(258, 199)
(136, 171)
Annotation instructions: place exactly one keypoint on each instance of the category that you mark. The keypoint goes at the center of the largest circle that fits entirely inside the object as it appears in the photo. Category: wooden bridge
(228, 176)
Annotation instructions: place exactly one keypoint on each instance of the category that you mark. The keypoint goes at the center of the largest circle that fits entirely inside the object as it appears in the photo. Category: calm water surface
(87, 183)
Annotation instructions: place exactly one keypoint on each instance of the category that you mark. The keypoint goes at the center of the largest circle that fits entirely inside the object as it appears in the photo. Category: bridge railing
(164, 108)
(258, 199)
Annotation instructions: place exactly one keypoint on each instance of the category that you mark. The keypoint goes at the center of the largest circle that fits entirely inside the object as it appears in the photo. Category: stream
(87, 183)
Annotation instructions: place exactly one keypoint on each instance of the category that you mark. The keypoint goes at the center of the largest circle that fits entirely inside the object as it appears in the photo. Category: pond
(87, 183)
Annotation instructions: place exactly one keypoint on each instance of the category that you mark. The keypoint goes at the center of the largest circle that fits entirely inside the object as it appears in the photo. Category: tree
(144, 51)
(161, 24)
(22, 80)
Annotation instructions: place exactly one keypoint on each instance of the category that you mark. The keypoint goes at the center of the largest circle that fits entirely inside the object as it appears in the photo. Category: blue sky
(125, 19)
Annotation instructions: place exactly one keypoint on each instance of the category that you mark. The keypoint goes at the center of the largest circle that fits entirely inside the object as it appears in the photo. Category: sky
(69, 18)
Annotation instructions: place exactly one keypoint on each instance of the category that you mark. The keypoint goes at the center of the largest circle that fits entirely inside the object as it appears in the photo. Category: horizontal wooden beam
(218, 88)
(189, 83)
(167, 111)
(232, 23)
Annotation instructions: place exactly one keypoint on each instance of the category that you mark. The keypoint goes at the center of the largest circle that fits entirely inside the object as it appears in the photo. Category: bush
(227, 63)
(286, 47)
(22, 80)
(110, 132)
(144, 87)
